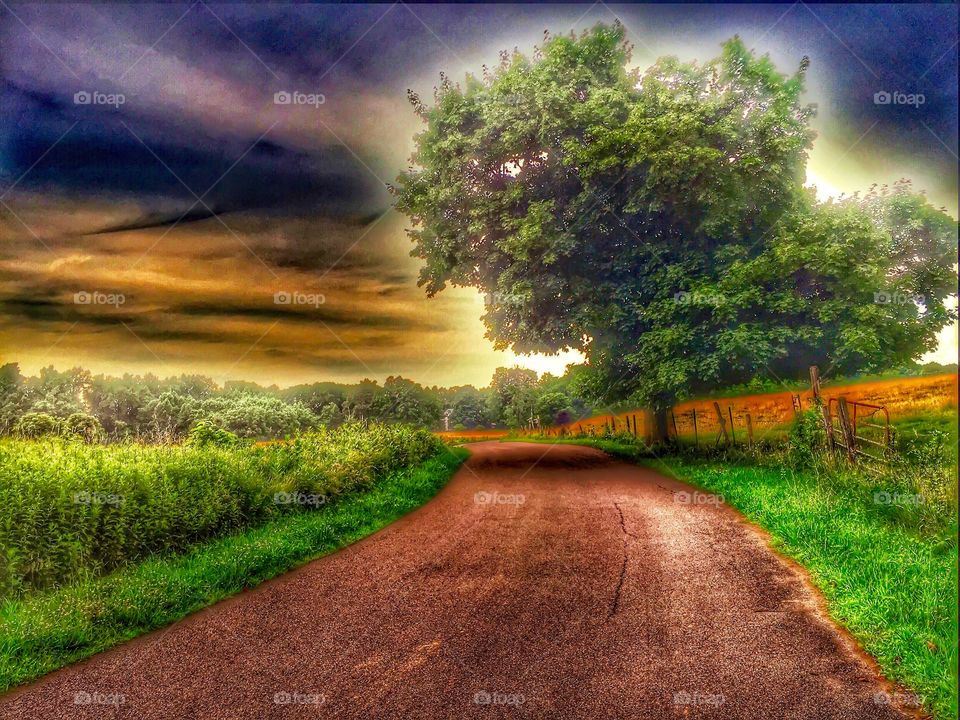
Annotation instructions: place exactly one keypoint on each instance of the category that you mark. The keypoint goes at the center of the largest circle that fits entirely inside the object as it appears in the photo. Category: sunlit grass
(45, 631)
(68, 509)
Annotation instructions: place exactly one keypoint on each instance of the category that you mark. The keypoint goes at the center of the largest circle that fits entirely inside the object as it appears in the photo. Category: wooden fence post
(749, 431)
(696, 438)
(848, 437)
(723, 424)
(676, 435)
(815, 384)
(733, 431)
(635, 426)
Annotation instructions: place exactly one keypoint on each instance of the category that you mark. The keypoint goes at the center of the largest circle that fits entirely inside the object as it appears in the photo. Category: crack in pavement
(615, 604)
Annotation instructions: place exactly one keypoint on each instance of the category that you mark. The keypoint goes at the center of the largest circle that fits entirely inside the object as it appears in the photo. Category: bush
(36, 425)
(84, 426)
(206, 433)
(806, 439)
(69, 509)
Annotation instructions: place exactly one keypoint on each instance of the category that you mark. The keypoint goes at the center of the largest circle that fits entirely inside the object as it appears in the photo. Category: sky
(161, 211)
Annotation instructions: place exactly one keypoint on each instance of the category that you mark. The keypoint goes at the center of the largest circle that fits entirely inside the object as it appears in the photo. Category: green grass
(69, 510)
(889, 579)
(45, 631)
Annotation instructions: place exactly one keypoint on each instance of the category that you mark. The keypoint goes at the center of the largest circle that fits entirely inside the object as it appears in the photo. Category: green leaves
(659, 223)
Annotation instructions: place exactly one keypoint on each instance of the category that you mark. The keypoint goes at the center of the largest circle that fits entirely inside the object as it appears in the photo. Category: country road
(540, 583)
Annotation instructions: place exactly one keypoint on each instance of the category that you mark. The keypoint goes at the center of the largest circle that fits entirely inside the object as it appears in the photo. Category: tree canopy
(658, 222)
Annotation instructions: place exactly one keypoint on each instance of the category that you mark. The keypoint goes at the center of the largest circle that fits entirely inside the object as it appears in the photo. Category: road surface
(542, 582)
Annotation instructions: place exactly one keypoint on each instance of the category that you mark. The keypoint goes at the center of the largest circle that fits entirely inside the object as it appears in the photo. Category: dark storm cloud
(107, 158)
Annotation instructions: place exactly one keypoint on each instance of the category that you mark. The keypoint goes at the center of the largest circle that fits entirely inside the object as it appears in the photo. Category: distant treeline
(148, 408)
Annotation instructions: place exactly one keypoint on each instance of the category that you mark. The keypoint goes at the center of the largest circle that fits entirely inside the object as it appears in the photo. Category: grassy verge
(888, 579)
(69, 510)
(45, 631)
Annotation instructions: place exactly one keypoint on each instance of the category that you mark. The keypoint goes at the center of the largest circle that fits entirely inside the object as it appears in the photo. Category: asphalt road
(540, 583)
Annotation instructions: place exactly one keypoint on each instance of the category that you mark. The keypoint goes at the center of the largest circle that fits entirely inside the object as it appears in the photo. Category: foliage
(206, 433)
(37, 424)
(148, 409)
(659, 223)
(405, 401)
(45, 631)
(806, 439)
(69, 509)
(84, 426)
(513, 395)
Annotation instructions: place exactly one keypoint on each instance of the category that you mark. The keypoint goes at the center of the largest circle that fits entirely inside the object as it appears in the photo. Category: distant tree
(330, 415)
(13, 400)
(469, 405)
(404, 401)
(86, 427)
(513, 396)
(659, 223)
(256, 415)
(553, 408)
(206, 433)
(360, 400)
(169, 416)
(36, 425)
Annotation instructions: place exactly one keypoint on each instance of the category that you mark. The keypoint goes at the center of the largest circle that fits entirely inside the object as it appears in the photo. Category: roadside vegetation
(69, 509)
(43, 631)
(880, 544)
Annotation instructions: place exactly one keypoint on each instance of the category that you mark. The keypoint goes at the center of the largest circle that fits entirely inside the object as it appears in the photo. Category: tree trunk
(661, 432)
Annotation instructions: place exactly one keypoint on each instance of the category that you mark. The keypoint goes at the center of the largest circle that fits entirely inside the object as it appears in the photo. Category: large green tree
(658, 222)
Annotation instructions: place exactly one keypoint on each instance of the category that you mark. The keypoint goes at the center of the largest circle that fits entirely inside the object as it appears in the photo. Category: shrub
(84, 426)
(805, 442)
(36, 425)
(206, 433)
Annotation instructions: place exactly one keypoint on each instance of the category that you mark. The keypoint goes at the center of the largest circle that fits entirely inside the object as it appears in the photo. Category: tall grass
(69, 510)
(43, 631)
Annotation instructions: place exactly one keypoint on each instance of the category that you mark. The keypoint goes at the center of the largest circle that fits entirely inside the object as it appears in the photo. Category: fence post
(696, 437)
(848, 437)
(673, 418)
(723, 424)
(815, 384)
(828, 426)
(749, 431)
(733, 431)
(635, 426)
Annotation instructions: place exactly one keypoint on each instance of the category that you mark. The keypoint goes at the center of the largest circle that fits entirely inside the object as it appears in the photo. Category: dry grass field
(770, 413)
